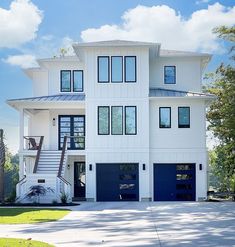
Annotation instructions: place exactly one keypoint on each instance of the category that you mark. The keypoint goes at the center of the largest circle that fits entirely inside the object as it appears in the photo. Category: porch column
(21, 130)
(21, 166)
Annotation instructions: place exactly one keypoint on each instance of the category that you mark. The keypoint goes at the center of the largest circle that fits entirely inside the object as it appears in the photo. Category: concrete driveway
(136, 224)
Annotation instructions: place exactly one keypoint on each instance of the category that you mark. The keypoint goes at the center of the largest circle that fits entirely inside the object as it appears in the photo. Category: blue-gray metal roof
(160, 92)
(52, 98)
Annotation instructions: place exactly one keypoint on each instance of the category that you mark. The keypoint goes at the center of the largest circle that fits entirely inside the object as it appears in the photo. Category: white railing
(63, 187)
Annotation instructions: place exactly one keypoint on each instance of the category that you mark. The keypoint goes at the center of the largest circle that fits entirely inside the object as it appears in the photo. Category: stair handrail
(38, 154)
(62, 156)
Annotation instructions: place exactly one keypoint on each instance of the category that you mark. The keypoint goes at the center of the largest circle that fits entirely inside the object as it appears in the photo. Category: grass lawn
(17, 242)
(30, 215)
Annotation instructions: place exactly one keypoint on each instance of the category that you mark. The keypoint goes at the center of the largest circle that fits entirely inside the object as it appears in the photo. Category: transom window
(184, 117)
(164, 117)
(169, 74)
(71, 81)
(117, 69)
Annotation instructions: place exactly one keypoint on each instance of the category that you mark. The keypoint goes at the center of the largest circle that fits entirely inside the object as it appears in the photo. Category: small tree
(2, 162)
(36, 191)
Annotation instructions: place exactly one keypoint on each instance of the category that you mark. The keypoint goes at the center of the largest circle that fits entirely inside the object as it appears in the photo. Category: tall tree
(2, 162)
(221, 114)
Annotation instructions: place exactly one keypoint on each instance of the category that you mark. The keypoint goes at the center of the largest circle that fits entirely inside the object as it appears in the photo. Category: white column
(21, 131)
(21, 166)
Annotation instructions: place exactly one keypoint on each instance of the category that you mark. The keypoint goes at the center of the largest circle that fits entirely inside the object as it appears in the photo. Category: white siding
(188, 73)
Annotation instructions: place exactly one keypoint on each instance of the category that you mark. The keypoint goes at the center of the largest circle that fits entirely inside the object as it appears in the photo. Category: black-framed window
(65, 80)
(130, 68)
(103, 120)
(164, 117)
(130, 120)
(116, 69)
(184, 117)
(103, 69)
(78, 80)
(116, 120)
(170, 74)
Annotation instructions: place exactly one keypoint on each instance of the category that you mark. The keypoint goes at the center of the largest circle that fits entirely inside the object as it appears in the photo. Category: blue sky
(34, 29)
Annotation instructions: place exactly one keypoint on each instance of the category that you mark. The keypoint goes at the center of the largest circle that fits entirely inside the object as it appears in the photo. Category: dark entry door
(73, 126)
(174, 182)
(117, 182)
(79, 179)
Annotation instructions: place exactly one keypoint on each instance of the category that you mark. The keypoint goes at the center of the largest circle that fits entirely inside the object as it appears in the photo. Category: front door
(74, 127)
(79, 179)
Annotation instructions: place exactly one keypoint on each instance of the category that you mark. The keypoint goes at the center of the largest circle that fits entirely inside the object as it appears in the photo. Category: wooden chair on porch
(32, 144)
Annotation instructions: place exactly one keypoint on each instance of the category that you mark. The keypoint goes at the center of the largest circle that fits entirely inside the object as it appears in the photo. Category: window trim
(184, 126)
(125, 70)
(162, 107)
(82, 81)
(98, 125)
(135, 120)
(112, 71)
(111, 119)
(61, 89)
(98, 68)
(165, 73)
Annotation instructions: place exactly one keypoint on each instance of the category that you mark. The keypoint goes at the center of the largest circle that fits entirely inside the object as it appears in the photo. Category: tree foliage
(221, 116)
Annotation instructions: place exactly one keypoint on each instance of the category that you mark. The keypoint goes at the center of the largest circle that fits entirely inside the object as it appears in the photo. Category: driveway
(136, 224)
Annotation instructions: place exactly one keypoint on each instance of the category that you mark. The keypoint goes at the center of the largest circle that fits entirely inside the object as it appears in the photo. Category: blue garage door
(117, 182)
(174, 182)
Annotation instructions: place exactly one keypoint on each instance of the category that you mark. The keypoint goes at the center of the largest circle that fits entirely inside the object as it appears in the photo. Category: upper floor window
(184, 117)
(78, 81)
(164, 117)
(103, 120)
(130, 69)
(116, 69)
(130, 120)
(65, 81)
(103, 69)
(71, 84)
(169, 74)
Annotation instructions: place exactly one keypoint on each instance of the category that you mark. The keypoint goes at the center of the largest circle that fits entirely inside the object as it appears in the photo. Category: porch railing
(38, 154)
(32, 142)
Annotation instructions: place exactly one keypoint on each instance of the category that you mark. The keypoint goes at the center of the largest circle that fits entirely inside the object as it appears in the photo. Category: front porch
(52, 131)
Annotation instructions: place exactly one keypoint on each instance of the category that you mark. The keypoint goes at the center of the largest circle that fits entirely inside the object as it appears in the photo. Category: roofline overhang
(20, 104)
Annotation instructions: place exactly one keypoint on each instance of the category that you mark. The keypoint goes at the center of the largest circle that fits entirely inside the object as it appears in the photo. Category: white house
(120, 120)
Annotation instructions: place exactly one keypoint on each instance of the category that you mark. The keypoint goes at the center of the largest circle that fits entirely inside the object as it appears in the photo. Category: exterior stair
(49, 162)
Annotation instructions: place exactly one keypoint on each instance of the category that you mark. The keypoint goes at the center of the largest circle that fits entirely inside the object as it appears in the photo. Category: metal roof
(174, 53)
(160, 92)
(52, 98)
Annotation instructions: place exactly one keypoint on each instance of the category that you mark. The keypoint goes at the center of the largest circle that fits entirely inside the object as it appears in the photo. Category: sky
(31, 29)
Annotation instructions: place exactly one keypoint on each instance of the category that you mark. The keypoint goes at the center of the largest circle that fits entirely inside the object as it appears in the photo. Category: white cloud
(162, 24)
(24, 61)
(19, 24)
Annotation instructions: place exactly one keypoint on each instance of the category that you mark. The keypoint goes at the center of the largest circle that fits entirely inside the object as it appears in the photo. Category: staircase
(49, 162)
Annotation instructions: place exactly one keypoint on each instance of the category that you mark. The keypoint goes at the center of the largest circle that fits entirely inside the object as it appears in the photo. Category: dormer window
(71, 81)
(169, 75)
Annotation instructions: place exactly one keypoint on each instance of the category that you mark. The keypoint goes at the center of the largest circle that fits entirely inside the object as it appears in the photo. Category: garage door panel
(117, 182)
(174, 182)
